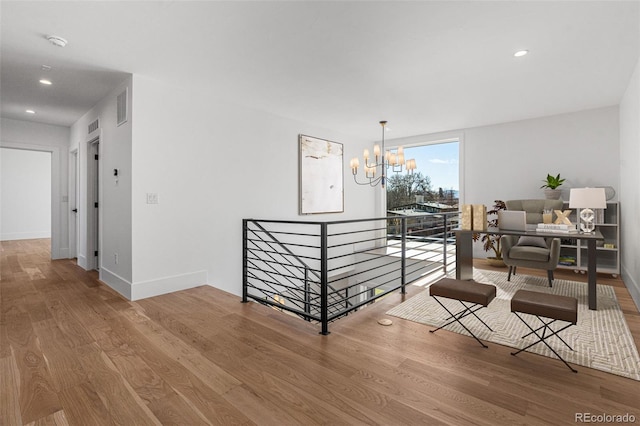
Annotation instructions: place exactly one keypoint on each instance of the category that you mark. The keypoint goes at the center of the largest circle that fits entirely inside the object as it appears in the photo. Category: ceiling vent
(122, 107)
(94, 126)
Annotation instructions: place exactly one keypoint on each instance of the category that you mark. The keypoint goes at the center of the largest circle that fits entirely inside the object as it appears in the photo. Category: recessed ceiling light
(520, 53)
(30, 111)
(45, 82)
(57, 41)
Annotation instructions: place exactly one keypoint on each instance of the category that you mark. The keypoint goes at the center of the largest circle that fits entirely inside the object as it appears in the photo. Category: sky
(439, 162)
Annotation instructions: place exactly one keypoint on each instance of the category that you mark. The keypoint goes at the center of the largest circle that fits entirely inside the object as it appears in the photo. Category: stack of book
(556, 228)
(567, 260)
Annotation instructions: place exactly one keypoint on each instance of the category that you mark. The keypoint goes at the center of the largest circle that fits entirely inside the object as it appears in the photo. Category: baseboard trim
(115, 281)
(156, 287)
(82, 262)
(13, 236)
(632, 286)
(63, 253)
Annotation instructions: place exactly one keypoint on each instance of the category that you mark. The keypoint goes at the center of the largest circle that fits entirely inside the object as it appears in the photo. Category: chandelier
(391, 159)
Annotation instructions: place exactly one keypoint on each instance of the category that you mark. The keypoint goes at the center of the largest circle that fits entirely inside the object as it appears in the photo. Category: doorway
(74, 197)
(26, 200)
(93, 204)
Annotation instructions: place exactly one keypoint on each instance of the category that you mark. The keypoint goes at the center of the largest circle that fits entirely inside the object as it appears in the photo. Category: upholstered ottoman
(542, 305)
(476, 295)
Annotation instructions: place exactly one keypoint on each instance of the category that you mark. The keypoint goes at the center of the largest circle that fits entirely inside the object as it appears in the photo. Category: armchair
(531, 252)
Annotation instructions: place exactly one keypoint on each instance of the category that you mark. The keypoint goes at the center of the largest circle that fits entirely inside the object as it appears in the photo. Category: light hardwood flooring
(72, 351)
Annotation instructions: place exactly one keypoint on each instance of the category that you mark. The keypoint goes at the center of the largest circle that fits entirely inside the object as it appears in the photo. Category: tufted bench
(476, 295)
(550, 306)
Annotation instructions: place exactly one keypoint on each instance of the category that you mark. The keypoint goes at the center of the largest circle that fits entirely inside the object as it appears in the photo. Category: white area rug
(601, 339)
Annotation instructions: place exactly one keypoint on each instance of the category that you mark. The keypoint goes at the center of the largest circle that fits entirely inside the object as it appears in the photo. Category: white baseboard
(11, 236)
(115, 281)
(142, 290)
(82, 262)
(156, 287)
(632, 286)
(62, 253)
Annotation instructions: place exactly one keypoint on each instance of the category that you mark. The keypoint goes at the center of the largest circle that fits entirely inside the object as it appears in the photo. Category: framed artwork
(321, 176)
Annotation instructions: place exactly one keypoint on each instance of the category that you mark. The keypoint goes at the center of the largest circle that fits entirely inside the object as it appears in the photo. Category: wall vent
(122, 107)
(94, 126)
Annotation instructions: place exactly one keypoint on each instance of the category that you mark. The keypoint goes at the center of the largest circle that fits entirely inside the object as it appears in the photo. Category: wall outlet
(115, 258)
(152, 198)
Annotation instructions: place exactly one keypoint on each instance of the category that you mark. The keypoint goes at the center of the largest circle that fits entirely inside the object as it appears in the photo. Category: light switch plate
(152, 198)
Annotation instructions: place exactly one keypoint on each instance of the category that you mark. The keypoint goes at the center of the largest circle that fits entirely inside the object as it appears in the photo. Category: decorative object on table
(479, 217)
(390, 159)
(492, 241)
(586, 199)
(466, 219)
(547, 216)
(555, 228)
(321, 177)
(562, 217)
(551, 191)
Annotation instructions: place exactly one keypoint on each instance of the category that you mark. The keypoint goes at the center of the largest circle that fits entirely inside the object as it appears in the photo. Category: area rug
(601, 339)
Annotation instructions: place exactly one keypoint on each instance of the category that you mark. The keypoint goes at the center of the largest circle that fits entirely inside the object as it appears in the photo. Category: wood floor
(72, 351)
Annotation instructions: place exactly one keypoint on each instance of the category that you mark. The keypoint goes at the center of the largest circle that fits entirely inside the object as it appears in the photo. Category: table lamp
(587, 199)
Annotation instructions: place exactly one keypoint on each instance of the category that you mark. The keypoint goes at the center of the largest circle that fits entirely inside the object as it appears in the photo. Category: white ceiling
(423, 66)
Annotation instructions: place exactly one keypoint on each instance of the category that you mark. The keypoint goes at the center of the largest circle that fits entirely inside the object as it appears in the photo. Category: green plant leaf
(553, 182)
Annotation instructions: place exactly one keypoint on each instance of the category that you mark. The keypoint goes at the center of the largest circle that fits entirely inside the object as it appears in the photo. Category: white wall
(54, 139)
(115, 195)
(630, 184)
(213, 164)
(510, 160)
(25, 197)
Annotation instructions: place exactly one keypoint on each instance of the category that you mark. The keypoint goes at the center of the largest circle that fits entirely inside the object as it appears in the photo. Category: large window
(433, 187)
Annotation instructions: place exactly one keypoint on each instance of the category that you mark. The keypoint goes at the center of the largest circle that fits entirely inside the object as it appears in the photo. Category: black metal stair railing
(285, 274)
(322, 271)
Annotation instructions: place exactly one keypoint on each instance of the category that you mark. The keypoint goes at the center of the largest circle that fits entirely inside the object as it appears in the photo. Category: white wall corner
(82, 262)
(632, 286)
(115, 281)
(63, 253)
(166, 285)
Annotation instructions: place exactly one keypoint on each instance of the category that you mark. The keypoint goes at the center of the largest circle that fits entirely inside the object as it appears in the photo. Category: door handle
(74, 210)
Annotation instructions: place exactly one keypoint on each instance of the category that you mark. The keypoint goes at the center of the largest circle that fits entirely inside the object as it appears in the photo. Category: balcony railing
(322, 271)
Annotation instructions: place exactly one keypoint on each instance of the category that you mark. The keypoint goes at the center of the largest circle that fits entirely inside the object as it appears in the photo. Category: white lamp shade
(587, 198)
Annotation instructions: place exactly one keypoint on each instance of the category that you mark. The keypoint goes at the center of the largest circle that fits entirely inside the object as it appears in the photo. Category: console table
(464, 253)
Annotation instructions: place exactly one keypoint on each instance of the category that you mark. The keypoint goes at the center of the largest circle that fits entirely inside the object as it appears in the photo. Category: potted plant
(492, 241)
(551, 184)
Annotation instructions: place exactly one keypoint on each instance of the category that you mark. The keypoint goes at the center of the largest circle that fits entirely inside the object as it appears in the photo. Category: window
(434, 185)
